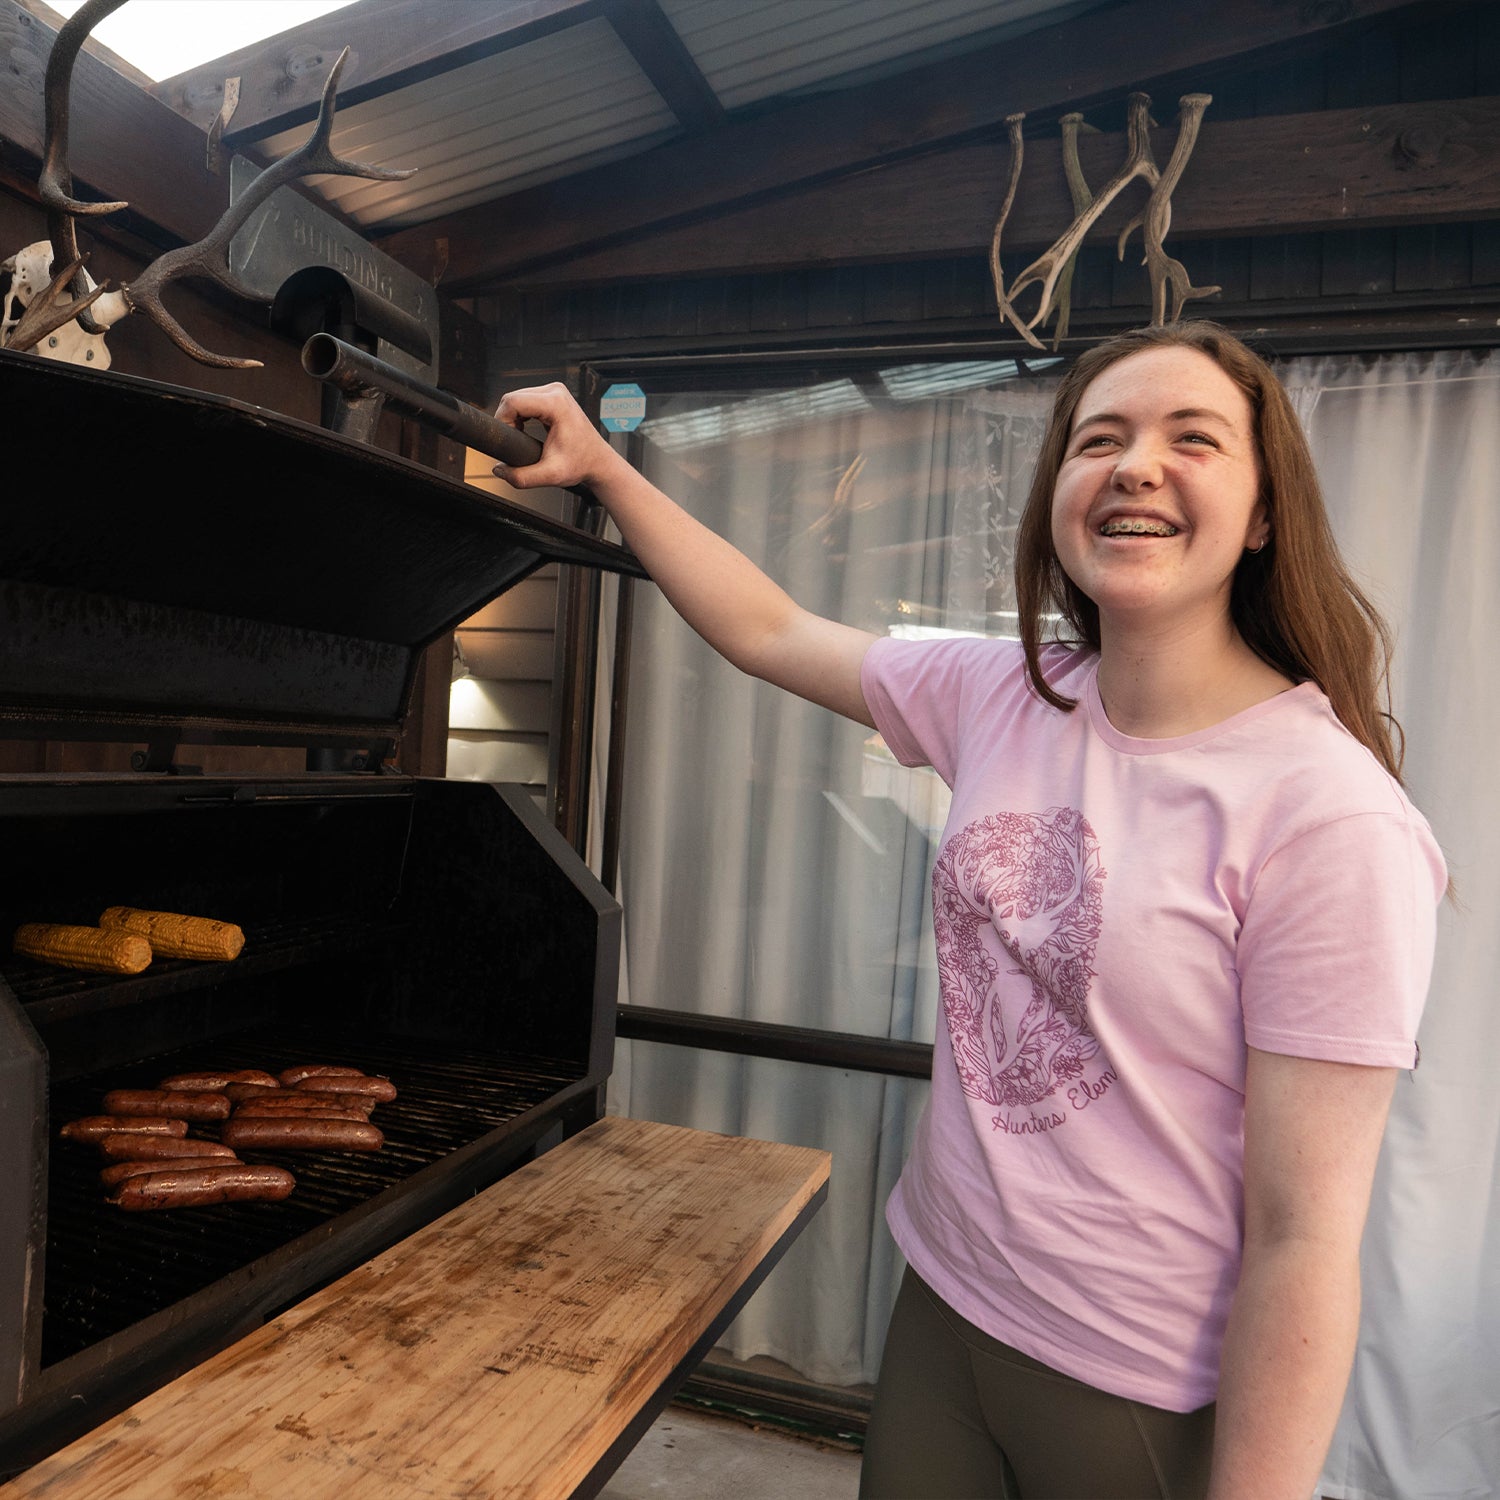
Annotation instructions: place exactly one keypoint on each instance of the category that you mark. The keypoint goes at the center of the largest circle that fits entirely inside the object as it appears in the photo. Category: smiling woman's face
(1158, 494)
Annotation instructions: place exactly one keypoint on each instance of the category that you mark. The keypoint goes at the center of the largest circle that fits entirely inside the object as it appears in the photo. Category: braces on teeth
(1137, 528)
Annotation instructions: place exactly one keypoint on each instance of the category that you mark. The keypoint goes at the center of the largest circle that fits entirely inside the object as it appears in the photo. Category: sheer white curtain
(1409, 450)
(774, 861)
(775, 867)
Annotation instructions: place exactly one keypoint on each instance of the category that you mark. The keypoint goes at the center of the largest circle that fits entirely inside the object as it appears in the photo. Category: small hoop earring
(1259, 547)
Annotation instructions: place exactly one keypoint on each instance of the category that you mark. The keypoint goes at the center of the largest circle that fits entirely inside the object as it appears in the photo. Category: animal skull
(30, 273)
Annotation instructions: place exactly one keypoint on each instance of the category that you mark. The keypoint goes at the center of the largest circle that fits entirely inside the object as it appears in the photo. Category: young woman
(1184, 918)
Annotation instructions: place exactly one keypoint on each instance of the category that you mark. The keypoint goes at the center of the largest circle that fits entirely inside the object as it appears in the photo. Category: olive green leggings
(960, 1416)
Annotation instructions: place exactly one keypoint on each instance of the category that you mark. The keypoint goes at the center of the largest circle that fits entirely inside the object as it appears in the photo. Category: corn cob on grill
(173, 935)
(104, 950)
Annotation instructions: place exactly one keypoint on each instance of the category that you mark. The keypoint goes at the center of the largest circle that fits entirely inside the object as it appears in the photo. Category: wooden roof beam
(661, 55)
(123, 144)
(1151, 44)
(1428, 163)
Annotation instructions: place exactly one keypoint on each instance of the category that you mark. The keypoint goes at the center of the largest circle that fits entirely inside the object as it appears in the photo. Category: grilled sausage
(238, 1091)
(362, 1102)
(290, 1076)
(122, 1170)
(176, 1104)
(265, 1109)
(291, 1102)
(294, 1134)
(381, 1089)
(96, 1127)
(159, 1148)
(218, 1079)
(189, 1187)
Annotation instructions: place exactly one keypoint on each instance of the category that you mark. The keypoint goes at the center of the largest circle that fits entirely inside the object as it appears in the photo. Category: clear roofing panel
(151, 34)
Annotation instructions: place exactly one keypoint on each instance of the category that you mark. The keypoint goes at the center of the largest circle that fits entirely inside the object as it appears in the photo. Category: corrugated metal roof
(578, 98)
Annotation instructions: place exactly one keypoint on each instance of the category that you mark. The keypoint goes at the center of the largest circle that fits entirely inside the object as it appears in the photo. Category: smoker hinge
(157, 756)
(343, 760)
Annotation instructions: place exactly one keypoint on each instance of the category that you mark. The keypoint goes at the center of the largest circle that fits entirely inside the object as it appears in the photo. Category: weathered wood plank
(497, 1352)
(123, 144)
(1426, 163)
(1285, 268)
(1068, 65)
(391, 43)
(1359, 262)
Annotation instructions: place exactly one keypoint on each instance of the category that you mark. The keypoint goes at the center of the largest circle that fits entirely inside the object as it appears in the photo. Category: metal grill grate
(107, 1269)
(50, 993)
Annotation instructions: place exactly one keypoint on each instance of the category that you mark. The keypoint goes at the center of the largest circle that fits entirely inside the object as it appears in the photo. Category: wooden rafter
(659, 52)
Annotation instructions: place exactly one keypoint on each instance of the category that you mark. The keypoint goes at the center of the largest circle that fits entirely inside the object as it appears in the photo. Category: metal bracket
(216, 158)
(157, 758)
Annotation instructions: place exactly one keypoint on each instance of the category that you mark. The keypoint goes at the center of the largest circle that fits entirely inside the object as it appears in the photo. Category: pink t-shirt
(1116, 919)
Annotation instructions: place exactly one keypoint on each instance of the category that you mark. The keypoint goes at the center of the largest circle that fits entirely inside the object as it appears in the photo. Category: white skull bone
(30, 275)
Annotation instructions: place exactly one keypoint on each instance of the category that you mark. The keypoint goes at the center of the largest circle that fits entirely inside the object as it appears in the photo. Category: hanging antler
(1017, 153)
(1048, 267)
(207, 257)
(56, 183)
(1157, 219)
(1078, 190)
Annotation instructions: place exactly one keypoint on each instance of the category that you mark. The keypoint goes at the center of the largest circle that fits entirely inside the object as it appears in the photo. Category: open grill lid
(183, 566)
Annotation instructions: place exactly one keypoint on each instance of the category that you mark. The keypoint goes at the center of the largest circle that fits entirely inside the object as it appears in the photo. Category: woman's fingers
(567, 447)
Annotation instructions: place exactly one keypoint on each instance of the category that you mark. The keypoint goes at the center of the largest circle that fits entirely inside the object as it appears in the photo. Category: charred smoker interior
(428, 932)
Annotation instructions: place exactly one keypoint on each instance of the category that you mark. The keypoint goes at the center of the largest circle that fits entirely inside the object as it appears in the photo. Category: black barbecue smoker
(272, 584)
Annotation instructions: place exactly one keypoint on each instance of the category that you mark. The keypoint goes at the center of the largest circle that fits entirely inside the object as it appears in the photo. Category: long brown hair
(1293, 602)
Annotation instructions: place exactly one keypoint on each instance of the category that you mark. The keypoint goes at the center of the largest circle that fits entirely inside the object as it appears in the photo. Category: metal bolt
(52, 342)
(88, 353)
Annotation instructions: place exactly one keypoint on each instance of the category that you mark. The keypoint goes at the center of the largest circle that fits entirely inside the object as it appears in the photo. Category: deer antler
(1047, 267)
(56, 183)
(209, 256)
(1157, 219)
(1017, 152)
(1078, 190)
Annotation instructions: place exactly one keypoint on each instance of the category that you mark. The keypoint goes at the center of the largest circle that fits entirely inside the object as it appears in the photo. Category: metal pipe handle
(356, 373)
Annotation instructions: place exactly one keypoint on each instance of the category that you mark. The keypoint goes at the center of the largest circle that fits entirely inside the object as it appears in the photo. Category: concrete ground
(689, 1455)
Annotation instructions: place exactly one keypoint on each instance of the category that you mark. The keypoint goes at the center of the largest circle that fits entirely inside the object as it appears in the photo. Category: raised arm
(742, 614)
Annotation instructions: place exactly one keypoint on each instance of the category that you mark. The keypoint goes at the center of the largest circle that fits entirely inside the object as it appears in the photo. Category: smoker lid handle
(357, 373)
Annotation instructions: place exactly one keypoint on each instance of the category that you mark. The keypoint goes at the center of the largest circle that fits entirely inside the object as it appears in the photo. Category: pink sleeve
(914, 691)
(1335, 952)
